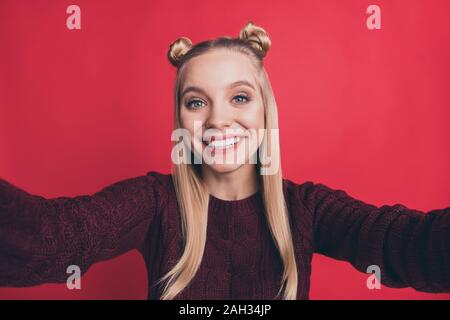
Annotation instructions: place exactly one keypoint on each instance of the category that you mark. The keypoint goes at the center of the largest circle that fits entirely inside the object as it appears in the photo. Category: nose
(219, 117)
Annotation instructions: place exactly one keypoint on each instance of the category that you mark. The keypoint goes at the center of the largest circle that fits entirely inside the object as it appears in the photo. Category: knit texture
(40, 238)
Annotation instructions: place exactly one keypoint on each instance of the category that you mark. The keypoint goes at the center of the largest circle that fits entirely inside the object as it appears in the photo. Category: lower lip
(232, 147)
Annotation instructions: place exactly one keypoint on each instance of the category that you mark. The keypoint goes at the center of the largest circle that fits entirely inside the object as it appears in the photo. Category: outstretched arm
(40, 238)
(411, 247)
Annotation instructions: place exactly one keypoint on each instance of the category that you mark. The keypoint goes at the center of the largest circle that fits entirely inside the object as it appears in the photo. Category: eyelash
(189, 103)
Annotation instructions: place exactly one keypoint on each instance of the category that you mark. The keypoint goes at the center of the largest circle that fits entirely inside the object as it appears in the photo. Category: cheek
(187, 120)
(192, 123)
(184, 121)
(254, 117)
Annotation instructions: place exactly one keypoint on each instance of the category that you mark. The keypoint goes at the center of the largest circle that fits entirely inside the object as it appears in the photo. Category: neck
(235, 185)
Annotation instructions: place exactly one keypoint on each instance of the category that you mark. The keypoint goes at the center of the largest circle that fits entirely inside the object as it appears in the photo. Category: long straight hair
(193, 197)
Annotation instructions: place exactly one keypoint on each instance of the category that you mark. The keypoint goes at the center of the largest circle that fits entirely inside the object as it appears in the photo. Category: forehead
(217, 69)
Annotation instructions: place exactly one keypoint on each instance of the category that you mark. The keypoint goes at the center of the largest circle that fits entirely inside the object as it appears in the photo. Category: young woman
(221, 229)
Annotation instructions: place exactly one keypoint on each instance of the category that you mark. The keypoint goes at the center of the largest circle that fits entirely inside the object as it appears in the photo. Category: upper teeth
(223, 143)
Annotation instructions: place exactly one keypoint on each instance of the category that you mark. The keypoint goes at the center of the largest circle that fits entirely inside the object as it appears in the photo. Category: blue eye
(242, 98)
(197, 103)
(194, 102)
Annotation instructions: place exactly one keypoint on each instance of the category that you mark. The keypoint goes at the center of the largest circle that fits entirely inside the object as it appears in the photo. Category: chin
(223, 168)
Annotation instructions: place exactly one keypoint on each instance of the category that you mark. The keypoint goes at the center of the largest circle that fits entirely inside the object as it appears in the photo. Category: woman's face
(222, 109)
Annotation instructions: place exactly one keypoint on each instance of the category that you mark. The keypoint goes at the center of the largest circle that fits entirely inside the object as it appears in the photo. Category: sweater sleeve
(40, 238)
(411, 247)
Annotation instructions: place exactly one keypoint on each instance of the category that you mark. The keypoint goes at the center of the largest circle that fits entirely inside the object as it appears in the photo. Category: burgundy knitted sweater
(40, 238)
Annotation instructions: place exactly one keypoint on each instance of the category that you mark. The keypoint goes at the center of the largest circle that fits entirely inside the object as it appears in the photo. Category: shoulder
(309, 193)
(305, 199)
(308, 189)
(295, 195)
(161, 181)
(299, 191)
(298, 196)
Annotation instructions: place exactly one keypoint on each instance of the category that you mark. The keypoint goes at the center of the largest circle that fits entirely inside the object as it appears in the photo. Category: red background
(362, 110)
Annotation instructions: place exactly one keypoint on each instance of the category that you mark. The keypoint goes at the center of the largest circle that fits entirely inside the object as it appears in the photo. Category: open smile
(223, 145)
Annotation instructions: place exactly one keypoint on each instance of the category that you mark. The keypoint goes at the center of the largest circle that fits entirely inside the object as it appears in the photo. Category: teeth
(223, 143)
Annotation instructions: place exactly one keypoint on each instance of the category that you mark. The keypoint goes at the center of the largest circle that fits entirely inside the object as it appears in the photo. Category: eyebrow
(231, 85)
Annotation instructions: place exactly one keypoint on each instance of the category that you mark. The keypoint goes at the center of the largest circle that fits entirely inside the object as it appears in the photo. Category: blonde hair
(192, 195)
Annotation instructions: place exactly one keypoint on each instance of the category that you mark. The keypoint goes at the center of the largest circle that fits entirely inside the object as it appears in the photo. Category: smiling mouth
(223, 144)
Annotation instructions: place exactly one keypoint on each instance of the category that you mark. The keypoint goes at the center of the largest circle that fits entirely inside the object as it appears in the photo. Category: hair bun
(178, 49)
(257, 37)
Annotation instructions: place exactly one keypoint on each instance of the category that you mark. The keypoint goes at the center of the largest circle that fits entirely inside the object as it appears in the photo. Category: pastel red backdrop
(363, 110)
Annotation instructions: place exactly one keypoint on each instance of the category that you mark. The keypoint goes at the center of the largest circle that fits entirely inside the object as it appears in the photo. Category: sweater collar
(249, 203)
